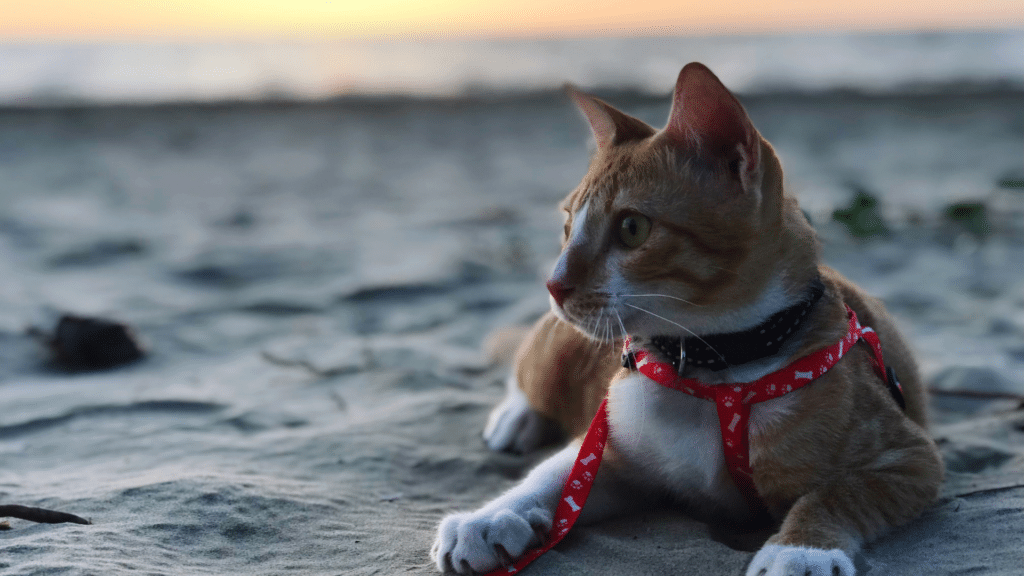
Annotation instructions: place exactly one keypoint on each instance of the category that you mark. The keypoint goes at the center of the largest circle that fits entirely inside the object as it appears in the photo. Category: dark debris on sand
(40, 515)
(81, 343)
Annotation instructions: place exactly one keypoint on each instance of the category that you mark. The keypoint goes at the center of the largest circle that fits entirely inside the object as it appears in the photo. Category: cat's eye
(634, 229)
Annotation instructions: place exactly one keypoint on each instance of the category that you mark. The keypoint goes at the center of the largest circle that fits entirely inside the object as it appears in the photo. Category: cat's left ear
(610, 126)
(706, 117)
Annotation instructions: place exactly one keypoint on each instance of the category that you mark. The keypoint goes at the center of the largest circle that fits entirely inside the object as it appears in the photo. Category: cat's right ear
(610, 127)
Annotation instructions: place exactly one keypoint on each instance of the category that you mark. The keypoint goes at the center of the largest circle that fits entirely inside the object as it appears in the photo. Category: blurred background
(312, 213)
(119, 51)
(232, 145)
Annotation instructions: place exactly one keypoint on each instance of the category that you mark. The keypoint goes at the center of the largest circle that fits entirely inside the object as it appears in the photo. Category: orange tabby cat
(685, 233)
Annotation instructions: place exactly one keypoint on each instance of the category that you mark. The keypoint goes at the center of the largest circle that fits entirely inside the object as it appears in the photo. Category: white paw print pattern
(732, 400)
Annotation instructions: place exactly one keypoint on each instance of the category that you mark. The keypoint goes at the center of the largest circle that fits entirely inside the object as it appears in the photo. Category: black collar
(720, 351)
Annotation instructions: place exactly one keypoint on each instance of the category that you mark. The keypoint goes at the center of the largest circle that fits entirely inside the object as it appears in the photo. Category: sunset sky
(219, 19)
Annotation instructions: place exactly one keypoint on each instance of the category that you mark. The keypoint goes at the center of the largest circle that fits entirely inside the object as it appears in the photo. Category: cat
(683, 240)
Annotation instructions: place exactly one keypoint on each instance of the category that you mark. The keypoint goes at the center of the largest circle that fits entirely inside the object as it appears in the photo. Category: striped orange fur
(844, 463)
(688, 231)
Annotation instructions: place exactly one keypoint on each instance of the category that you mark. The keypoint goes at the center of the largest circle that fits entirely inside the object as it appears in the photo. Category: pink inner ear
(706, 115)
(601, 123)
(609, 125)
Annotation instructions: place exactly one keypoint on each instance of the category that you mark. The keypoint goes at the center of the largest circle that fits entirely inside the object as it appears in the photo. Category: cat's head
(680, 230)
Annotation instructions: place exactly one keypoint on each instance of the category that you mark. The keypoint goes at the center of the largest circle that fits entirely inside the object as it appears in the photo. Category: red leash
(733, 404)
(574, 494)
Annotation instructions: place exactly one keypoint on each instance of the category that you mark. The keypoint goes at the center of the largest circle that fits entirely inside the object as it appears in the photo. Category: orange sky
(163, 19)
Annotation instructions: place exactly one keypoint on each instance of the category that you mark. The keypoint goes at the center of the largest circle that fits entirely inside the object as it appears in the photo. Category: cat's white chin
(601, 329)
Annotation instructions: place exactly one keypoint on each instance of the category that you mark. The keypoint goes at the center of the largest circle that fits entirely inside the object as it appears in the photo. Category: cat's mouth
(608, 317)
(598, 316)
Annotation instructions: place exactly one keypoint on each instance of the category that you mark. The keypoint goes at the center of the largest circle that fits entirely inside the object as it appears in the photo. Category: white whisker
(660, 296)
(606, 333)
(679, 325)
(621, 325)
(593, 327)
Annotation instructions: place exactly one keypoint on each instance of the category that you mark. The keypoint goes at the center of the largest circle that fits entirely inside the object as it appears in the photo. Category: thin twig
(986, 490)
(977, 394)
(39, 515)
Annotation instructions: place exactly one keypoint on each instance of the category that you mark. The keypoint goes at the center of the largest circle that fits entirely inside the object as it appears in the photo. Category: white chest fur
(672, 443)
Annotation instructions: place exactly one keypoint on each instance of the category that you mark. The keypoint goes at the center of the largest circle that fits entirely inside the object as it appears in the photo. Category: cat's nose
(558, 291)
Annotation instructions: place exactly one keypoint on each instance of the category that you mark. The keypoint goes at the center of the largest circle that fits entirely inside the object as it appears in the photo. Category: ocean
(144, 73)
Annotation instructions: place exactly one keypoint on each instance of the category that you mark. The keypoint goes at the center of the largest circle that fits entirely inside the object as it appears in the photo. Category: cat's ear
(610, 127)
(708, 118)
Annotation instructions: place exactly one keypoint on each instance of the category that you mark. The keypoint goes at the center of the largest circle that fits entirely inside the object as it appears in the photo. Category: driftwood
(39, 515)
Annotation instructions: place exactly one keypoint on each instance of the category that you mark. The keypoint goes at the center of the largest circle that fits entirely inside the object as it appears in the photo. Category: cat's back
(896, 350)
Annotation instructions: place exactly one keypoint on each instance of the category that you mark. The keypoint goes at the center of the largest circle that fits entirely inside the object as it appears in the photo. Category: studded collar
(720, 351)
(732, 403)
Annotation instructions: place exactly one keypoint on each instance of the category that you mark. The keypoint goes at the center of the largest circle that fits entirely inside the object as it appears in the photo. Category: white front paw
(515, 427)
(483, 540)
(775, 560)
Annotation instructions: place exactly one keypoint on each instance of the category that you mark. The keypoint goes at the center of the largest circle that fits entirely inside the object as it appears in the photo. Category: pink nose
(558, 291)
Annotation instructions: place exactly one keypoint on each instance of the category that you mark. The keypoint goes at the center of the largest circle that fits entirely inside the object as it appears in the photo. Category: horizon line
(734, 30)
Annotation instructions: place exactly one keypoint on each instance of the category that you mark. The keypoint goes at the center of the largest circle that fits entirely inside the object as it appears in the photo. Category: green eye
(634, 229)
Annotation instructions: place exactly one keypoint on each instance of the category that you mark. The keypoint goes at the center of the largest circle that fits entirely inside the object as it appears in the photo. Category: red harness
(733, 403)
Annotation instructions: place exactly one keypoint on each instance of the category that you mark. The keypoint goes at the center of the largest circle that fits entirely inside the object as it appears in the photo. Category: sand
(314, 283)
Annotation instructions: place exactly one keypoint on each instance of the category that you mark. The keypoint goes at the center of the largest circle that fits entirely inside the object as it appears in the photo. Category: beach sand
(314, 284)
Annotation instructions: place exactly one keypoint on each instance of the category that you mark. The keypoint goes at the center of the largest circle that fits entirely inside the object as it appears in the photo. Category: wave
(147, 73)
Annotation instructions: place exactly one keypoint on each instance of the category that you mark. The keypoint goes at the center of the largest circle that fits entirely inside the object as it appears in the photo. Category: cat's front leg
(504, 529)
(826, 526)
(778, 560)
(508, 526)
(811, 541)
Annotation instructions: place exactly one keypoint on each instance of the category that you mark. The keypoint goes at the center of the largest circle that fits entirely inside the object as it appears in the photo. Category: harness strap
(574, 493)
(733, 400)
(733, 404)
